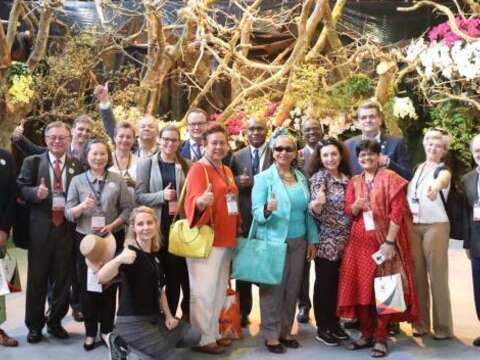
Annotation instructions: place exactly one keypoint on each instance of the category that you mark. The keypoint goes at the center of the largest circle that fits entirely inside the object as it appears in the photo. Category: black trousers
(304, 294)
(176, 278)
(325, 291)
(49, 259)
(476, 283)
(97, 308)
(244, 289)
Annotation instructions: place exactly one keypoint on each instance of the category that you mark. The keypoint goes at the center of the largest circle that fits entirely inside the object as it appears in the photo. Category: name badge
(415, 206)
(368, 220)
(476, 212)
(232, 205)
(98, 222)
(92, 282)
(58, 202)
(172, 207)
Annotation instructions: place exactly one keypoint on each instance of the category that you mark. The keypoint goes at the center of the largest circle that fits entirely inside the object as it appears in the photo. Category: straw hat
(98, 250)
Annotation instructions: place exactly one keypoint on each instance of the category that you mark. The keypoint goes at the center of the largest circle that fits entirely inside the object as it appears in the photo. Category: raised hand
(42, 190)
(206, 199)
(89, 202)
(169, 194)
(319, 200)
(272, 203)
(18, 131)
(101, 92)
(244, 179)
(359, 204)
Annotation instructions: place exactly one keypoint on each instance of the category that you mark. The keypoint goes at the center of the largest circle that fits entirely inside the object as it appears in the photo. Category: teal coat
(275, 227)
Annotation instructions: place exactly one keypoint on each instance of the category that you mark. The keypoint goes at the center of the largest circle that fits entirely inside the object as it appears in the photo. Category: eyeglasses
(57, 138)
(197, 124)
(171, 140)
(288, 149)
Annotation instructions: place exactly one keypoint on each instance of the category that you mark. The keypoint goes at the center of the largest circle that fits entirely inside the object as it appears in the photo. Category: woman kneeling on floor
(143, 322)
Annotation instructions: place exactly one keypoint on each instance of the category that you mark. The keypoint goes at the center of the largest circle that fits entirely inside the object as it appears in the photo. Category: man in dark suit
(312, 135)
(472, 223)
(197, 120)
(7, 207)
(394, 154)
(43, 183)
(245, 164)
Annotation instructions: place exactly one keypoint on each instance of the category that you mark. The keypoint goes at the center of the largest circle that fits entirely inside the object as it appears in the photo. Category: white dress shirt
(261, 153)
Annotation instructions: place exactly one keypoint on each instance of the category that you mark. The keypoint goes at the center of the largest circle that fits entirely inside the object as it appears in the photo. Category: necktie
(196, 152)
(255, 162)
(57, 215)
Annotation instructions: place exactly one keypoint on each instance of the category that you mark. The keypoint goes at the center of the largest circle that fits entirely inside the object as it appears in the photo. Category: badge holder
(58, 201)
(368, 220)
(98, 220)
(92, 282)
(232, 204)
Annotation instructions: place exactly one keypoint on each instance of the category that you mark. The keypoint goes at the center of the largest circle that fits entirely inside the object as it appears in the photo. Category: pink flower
(443, 32)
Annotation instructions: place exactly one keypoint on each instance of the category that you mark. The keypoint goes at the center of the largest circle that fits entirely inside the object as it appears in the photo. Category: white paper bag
(389, 295)
(4, 289)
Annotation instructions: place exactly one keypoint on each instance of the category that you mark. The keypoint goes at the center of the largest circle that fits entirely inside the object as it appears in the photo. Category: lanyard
(57, 179)
(223, 175)
(369, 184)
(97, 194)
(118, 165)
(419, 180)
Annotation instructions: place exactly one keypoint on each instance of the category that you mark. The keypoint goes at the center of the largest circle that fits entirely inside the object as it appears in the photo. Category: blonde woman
(430, 236)
(143, 322)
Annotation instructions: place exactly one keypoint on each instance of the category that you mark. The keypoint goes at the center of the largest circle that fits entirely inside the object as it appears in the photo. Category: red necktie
(57, 215)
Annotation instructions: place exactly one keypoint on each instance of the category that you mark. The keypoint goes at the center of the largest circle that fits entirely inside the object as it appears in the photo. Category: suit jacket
(471, 229)
(28, 182)
(275, 226)
(392, 146)
(151, 194)
(185, 150)
(242, 159)
(8, 190)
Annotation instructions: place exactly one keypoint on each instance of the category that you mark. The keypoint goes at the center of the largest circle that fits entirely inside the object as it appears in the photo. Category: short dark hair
(369, 145)
(315, 162)
(214, 128)
(196, 110)
(179, 158)
(371, 104)
(88, 148)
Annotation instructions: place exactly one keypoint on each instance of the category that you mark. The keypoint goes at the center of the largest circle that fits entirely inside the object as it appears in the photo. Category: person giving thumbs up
(206, 199)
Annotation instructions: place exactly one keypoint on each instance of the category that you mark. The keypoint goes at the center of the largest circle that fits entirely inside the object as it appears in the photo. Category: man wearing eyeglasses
(43, 183)
(394, 154)
(471, 184)
(245, 164)
(192, 148)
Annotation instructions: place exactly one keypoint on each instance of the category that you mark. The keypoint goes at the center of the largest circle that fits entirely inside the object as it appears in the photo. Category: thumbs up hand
(319, 200)
(169, 194)
(42, 189)
(272, 203)
(101, 93)
(18, 131)
(89, 202)
(206, 199)
(244, 179)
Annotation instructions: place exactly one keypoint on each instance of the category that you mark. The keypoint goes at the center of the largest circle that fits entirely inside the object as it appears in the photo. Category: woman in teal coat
(280, 199)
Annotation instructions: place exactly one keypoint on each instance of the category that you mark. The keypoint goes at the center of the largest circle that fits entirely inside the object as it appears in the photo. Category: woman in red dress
(376, 202)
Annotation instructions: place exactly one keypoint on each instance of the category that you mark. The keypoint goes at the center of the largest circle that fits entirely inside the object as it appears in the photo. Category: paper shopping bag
(389, 295)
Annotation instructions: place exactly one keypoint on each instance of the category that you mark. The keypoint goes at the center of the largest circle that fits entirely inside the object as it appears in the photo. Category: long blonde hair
(131, 235)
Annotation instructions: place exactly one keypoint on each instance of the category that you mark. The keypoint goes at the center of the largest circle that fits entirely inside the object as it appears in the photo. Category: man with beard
(245, 164)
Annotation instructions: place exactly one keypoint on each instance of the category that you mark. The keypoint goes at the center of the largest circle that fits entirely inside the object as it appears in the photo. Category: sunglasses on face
(287, 149)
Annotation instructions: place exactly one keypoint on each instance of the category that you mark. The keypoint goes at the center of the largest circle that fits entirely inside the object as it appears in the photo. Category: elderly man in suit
(312, 135)
(7, 207)
(472, 223)
(197, 120)
(245, 164)
(394, 154)
(43, 183)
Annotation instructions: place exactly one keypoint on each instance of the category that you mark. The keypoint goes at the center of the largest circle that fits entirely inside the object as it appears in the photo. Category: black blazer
(28, 182)
(8, 190)
(471, 229)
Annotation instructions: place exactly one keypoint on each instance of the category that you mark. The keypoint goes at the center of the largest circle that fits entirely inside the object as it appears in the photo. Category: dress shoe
(89, 347)
(212, 348)
(302, 316)
(34, 336)
(289, 343)
(224, 342)
(276, 349)
(476, 342)
(6, 340)
(77, 315)
(58, 331)
(244, 320)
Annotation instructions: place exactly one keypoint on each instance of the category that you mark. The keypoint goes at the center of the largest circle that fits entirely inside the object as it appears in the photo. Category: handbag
(195, 242)
(229, 322)
(259, 260)
(389, 296)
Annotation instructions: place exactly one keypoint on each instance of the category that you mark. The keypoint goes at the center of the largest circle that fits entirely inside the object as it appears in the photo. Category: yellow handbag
(195, 242)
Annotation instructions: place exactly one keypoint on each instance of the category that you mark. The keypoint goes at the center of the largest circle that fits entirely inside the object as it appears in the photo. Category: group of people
(338, 204)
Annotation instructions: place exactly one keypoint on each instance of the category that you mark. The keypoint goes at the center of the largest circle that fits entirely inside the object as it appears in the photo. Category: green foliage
(17, 69)
(461, 124)
(356, 87)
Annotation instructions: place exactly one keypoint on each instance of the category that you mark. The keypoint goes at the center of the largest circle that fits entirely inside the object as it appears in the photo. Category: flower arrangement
(21, 83)
(403, 108)
(444, 33)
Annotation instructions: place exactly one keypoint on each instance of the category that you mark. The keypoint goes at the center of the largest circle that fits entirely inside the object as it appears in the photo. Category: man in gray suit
(43, 183)
(472, 223)
(312, 135)
(245, 164)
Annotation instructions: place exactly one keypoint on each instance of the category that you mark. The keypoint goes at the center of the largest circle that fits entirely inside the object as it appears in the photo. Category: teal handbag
(259, 260)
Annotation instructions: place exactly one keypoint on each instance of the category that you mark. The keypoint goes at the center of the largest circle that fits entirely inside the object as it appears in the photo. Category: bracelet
(390, 242)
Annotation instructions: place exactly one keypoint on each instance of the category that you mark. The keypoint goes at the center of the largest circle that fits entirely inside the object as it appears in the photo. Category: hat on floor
(98, 250)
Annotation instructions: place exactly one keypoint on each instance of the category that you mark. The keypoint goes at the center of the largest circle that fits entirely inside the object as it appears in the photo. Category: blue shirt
(297, 226)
